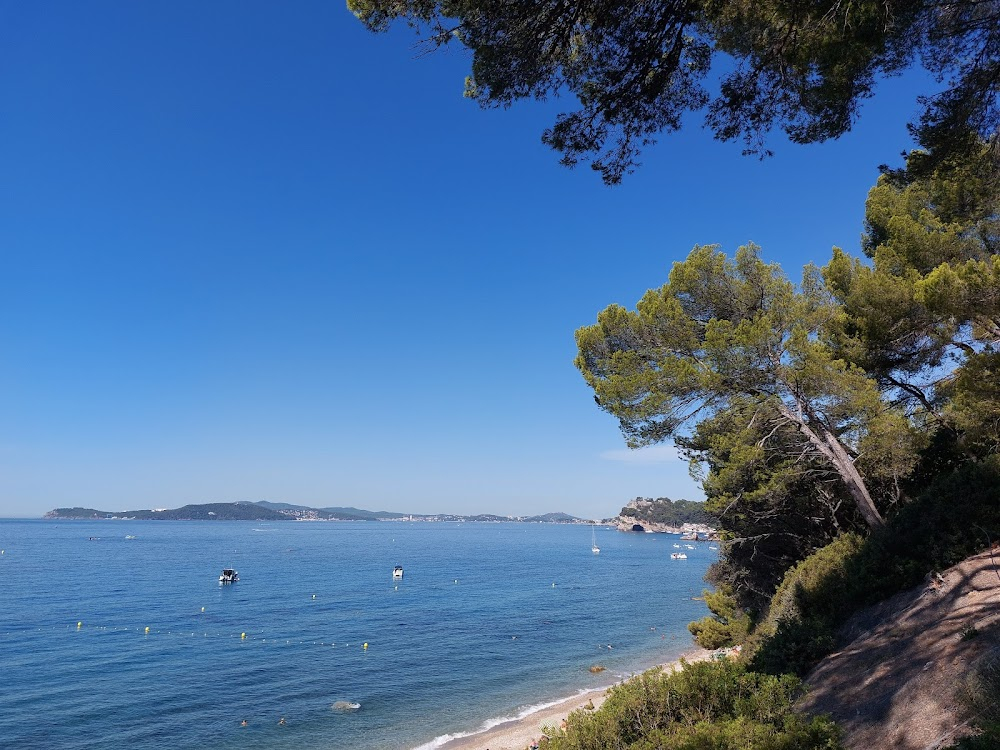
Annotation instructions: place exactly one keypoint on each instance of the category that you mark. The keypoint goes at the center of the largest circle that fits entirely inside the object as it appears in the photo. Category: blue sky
(251, 251)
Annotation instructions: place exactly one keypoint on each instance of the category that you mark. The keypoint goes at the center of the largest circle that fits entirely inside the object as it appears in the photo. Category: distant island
(267, 511)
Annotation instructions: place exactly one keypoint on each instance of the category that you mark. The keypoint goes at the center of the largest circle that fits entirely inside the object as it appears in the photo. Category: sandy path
(893, 684)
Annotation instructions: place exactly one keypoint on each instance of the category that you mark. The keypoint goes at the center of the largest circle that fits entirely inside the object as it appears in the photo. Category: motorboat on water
(397, 572)
(678, 556)
(229, 576)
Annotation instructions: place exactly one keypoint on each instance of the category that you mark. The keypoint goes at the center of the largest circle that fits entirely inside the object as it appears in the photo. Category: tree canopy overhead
(635, 68)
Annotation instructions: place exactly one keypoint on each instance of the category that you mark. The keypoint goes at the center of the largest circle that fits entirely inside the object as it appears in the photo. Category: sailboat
(593, 542)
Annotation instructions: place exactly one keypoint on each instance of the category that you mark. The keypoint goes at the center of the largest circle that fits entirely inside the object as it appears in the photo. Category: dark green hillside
(216, 512)
(77, 513)
(553, 518)
(280, 506)
(668, 512)
(358, 514)
(332, 513)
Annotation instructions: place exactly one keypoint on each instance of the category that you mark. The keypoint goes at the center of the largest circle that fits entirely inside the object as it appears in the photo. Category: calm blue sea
(488, 621)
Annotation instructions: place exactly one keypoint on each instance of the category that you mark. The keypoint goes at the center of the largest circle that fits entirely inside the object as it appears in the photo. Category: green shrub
(727, 625)
(800, 626)
(814, 588)
(739, 734)
(718, 704)
(955, 517)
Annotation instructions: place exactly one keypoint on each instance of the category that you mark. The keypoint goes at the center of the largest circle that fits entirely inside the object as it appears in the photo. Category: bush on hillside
(740, 734)
(727, 626)
(957, 516)
(718, 705)
(800, 626)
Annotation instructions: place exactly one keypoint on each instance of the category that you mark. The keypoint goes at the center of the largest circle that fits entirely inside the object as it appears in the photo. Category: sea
(118, 633)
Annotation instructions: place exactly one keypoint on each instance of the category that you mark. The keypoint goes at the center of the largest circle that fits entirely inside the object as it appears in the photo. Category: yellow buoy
(147, 629)
(79, 625)
(202, 609)
(365, 647)
(243, 636)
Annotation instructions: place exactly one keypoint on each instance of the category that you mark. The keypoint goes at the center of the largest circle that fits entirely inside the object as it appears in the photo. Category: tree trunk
(830, 447)
(855, 482)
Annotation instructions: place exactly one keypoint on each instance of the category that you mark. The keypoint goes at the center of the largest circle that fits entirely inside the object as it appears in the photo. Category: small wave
(489, 724)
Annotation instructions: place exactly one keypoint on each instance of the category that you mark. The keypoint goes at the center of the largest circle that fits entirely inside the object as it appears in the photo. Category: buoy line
(149, 632)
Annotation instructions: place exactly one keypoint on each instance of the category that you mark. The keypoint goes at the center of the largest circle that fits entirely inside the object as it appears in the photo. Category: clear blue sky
(252, 251)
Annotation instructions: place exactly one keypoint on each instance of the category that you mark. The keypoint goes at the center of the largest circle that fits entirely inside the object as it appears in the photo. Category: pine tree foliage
(636, 69)
(734, 337)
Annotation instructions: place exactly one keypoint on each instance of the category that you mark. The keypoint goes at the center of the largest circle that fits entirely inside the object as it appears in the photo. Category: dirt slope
(893, 683)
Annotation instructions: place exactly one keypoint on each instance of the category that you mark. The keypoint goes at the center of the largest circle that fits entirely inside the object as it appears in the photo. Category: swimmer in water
(281, 721)
(243, 723)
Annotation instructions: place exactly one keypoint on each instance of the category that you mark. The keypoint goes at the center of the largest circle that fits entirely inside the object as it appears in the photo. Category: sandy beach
(518, 734)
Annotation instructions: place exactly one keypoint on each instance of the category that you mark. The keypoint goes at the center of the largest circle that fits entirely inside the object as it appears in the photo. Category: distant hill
(264, 510)
(333, 513)
(552, 518)
(206, 512)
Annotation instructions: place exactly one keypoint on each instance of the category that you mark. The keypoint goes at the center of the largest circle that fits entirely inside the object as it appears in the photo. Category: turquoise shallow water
(488, 620)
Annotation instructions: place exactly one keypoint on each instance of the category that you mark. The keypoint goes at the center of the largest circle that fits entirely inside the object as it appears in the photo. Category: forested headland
(662, 511)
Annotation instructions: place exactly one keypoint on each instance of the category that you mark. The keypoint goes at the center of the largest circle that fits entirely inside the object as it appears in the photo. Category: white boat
(593, 542)
(229, 576)
(397, 572)
(678, 556)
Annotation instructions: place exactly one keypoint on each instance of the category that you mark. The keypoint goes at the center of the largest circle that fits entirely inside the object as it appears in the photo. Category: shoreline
(517, 733)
